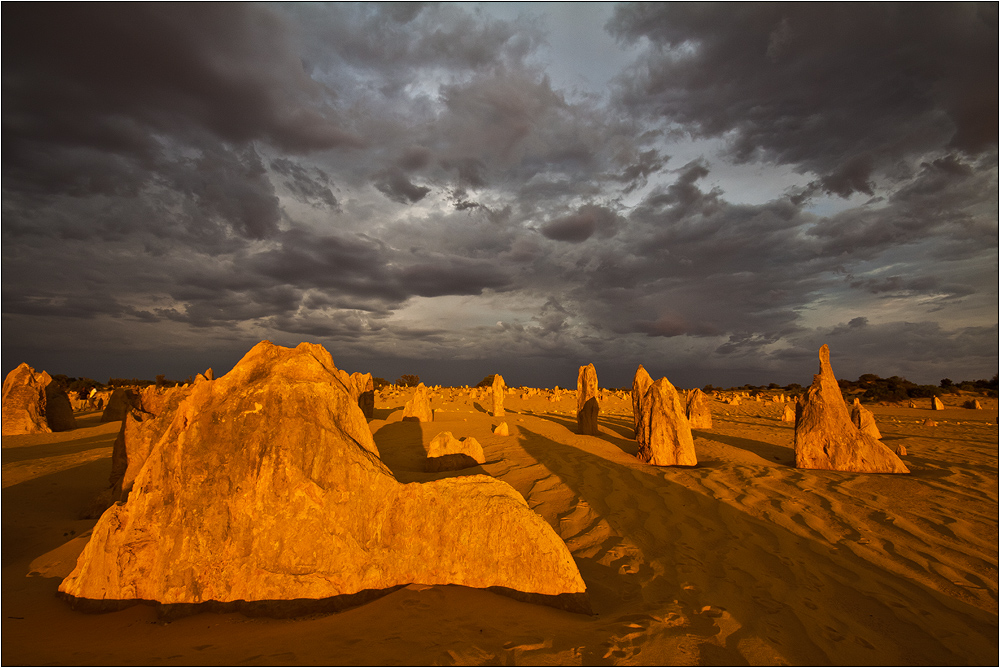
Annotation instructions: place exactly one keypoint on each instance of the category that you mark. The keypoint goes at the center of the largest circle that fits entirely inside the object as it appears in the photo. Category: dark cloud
(394, 185)
(844, 91)
(582, 224)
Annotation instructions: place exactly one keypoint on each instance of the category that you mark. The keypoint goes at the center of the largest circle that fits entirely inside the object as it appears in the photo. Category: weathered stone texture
(266, 485)
(641, 383)
(418, 409)
(665, 437)
(499, 390)
(447, 453)
(24, 401)
(699, 412)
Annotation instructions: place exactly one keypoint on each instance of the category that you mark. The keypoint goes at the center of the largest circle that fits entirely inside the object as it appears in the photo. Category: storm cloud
(412, 186)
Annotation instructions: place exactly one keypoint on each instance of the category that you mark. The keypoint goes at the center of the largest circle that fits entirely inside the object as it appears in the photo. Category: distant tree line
(896, 388)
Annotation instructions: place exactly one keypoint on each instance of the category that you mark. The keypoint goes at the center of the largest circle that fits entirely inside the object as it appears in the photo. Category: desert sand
(743, 559)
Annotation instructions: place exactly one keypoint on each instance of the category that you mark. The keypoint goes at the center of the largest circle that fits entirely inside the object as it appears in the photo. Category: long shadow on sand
(759, 571)
(400, 446)
(626, 445)
(770, 451)
(28, 452)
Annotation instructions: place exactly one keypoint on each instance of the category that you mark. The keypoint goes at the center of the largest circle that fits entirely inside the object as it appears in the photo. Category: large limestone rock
(825, 437)
(24, 401)
(699, 414)
(418, 409)
(266, 486)
(587, 406)
(864, 420)
(787, 414)
(499, 391)
(33, 403)
(641, 383)
(447, 453)
(936, 404)
(664, 434)
(119, 404)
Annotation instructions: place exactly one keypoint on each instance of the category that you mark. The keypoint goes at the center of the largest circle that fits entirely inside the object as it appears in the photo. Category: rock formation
(418, 409)
(664, 434)
(699, 414)
(33, 403)
(641, 383)
(936, 404)
(973, 404)
(119, 404)
(447, 453)
(364, 391)
(499, 390)
(864, 420)
(24, 401)
(788, 415)
(825, 437)
(265, 486)
(587, 406)
(502, 430)
(930, 423)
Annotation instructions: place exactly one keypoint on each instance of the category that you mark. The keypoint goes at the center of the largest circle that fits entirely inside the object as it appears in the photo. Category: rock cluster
(447, 453)
(825, 437)
(418, 409)
(587, 406)
(699, 413)
(265, 485)
(34, 404)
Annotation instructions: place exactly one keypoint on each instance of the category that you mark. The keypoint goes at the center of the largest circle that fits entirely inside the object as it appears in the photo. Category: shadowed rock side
(825, 437)
(364, 392)
(787, 414)
(641, 383)
(120, 403)
(864, 420)
(936, 404)
(499, 390)
(699, 414)
(665, 437)
(418, 409)
(266, 486)
(587, 406)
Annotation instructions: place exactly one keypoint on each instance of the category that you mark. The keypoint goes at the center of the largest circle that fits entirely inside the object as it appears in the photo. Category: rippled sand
(742, 559)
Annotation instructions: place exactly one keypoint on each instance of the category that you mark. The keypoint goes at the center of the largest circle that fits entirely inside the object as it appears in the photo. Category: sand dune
(740, 560)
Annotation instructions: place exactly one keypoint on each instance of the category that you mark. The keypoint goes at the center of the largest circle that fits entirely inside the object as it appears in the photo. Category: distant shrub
(378, 383)
(408, 380)
(486, 382)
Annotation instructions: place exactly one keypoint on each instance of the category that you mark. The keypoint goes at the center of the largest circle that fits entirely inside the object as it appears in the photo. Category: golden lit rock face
(665, 437)
(936, 404)
(864, 420)
(499, 391)
(418, 409)
(587, 406)
(447, 453)
(266, 485)
(24, 401)
(825, 437)
(640, 385)
(699, 414)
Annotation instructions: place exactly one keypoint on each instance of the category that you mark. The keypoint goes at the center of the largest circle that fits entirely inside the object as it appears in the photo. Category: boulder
(58, 409)
(788, 415)
(266, 487)
(418, 409)
(936, 404)
(930, 423)
(664, 434)
(363, 388)
(912, 404)
(499, 390)
(640, 385)
(864, 420)
(502, 430)
(447, 453)
(120, 404)
(973, 404)
(825, 437)
(587, 406)
(699, 414)
(24, 401)
(901, 450)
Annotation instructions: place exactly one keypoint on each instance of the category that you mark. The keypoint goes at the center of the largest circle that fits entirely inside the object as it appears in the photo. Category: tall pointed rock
(825, 437)
(665, 435)
(640, 385)
(587, 406)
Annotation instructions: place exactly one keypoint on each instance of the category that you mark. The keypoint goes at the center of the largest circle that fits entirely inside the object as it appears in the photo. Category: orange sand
(740, 560)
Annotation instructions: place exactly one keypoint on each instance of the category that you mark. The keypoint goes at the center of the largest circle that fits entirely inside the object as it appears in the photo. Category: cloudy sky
(460, 189)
